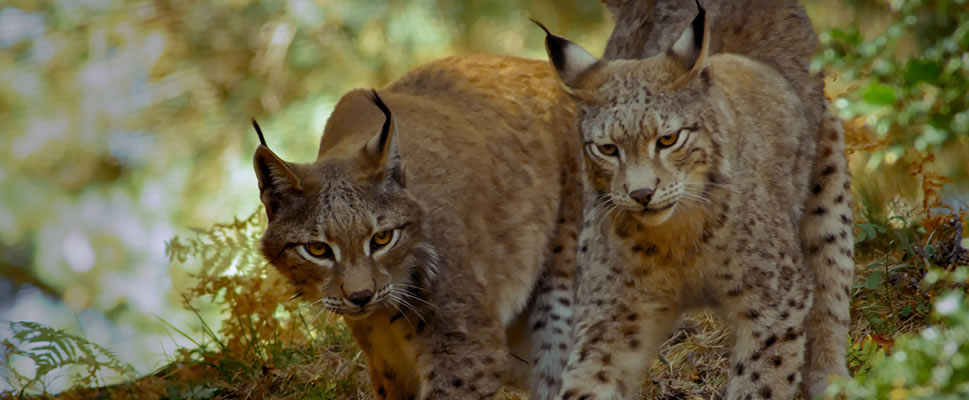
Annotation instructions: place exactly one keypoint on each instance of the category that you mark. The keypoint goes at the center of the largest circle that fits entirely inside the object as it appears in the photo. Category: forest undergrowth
(270, 345)
(909, 333)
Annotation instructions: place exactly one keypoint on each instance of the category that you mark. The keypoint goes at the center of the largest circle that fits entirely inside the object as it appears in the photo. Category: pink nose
(642, 196)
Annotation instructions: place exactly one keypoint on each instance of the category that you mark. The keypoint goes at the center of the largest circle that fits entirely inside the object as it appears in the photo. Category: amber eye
(381, 239)
(668, 140)
(608, 149)
(318, 250)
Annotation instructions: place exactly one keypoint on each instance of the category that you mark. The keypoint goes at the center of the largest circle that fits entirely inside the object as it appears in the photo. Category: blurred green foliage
(914, 74)
(933, 364)
(50, 349)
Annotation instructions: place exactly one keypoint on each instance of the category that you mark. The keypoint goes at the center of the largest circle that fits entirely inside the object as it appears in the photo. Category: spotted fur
(473, 166)
(702, 171)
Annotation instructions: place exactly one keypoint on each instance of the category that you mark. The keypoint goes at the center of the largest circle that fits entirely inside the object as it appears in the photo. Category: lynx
(779, 34)
(711, 180)
(440, 219)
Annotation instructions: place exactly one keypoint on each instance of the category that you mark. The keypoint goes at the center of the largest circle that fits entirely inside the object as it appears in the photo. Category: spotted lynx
(441, 220)
(712, 180)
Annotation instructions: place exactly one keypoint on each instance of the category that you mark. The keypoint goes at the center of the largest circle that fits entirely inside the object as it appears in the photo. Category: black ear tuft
(277, 179)
(262, 140)
(383, 149)
(693, 46)
(385, 130)
(570, 60)
(697, 25)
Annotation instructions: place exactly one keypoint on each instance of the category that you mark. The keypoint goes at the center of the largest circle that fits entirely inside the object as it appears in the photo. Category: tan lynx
(708, 184)
(440, 219)
(779, 34)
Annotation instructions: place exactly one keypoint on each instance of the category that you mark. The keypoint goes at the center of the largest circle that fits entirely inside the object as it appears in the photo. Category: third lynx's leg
(551, 320)
(827, 237)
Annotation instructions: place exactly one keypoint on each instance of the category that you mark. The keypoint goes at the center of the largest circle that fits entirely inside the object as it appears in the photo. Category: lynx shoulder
(440, 219)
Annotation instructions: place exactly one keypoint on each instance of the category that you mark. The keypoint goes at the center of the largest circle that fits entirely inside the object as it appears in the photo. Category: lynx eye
(668, 140)
(608, 150)
(318, 250)
(382, 239)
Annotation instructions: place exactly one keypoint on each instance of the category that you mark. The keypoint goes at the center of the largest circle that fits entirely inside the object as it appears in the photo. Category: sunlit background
(125, 123)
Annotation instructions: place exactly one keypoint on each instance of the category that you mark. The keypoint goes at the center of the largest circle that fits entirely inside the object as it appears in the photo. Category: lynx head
(649, 126)
(345, 231)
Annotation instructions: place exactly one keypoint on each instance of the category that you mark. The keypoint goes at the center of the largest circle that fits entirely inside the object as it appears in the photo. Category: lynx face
(345, 232)
(649, 126)
(650, 154)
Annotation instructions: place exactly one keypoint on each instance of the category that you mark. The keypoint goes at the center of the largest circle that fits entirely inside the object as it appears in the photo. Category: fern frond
(51, 349)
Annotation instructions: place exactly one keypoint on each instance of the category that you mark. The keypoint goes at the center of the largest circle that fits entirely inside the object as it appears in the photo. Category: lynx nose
(642, 196)
(361, 298)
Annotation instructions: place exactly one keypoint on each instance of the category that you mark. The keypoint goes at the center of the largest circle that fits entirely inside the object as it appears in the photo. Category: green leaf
(852, 38)
(877, 93)
(921, 71)
(875, 279)
(174, 393)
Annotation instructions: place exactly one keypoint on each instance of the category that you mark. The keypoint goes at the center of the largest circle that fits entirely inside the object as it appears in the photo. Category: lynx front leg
(466, 355)
(767, 322)
(622, 322)
(389, 342)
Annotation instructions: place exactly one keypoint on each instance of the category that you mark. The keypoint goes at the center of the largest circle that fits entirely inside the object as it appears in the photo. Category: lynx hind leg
(551, 320)
(828, 241)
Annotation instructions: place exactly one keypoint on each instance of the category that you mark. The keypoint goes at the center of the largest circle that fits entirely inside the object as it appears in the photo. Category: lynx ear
(693, 46)
(383, 149)
(277, 180)
(571, 62)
